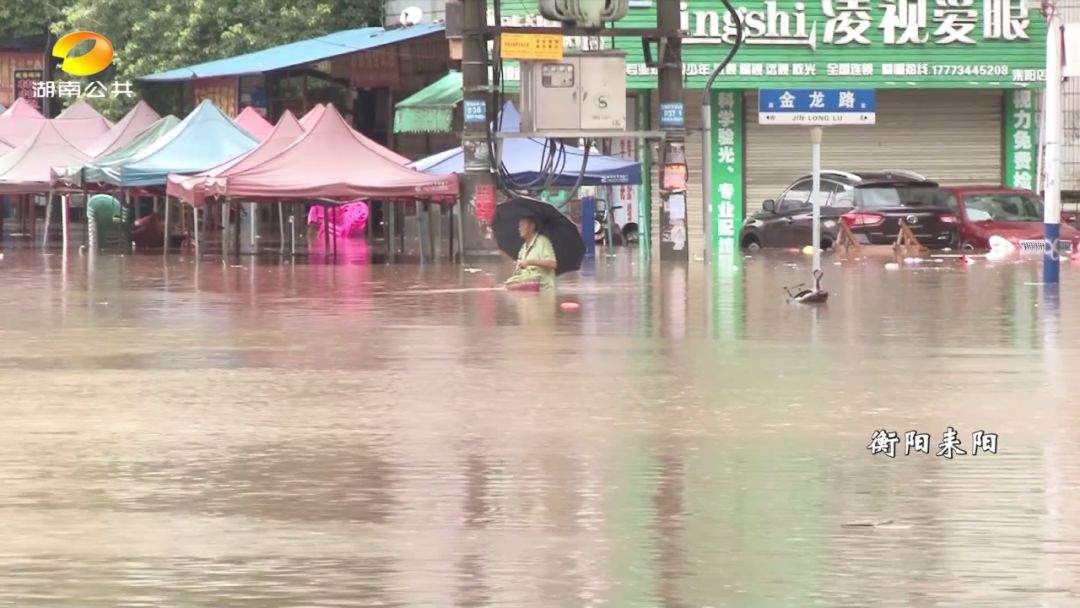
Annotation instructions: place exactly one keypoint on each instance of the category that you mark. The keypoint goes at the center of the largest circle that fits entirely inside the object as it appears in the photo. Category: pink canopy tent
(19, 123)
(130, 126)
(27, 168)
(193, 189)
(251, 121)
(312, 115)
(315, 113)
(332, 161)
(81, 124)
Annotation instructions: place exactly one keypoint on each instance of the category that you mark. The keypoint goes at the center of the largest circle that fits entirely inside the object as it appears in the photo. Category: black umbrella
(563, 234)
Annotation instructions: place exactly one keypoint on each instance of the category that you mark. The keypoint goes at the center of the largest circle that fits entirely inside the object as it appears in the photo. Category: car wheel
(751, 245)
(966, 246)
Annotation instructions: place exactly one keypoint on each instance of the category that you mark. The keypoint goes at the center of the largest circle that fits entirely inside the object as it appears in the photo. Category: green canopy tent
(431, 109)
(97, 171)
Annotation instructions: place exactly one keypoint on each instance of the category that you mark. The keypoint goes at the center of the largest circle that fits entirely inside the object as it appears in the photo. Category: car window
(1003, 207)
(844, 197)
(796, 197)
(877, 196)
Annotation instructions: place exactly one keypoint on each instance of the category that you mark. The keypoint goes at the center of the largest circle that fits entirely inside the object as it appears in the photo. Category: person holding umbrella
(536, 260)
(545, 242)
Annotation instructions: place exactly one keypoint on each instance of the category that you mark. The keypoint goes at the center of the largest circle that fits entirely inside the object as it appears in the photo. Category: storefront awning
(298, 53)
(431, 109)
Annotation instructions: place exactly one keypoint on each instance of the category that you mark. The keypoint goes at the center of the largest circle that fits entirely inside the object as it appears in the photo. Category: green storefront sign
(883, 44)
(1020, 141)
(727, 169)
(837, 44)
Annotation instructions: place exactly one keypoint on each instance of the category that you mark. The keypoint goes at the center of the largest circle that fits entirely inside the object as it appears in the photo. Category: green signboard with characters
(879, 44)
(727, 170)
(1020, 141)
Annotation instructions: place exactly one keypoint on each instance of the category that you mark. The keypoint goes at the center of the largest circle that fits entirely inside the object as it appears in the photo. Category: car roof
(877, 183)
(989, 189)
(853, 178)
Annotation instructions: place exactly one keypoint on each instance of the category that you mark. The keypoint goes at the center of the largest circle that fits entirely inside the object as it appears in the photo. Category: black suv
(871, 204)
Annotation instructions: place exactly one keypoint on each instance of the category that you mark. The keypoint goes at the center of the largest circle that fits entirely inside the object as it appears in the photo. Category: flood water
(266, 434)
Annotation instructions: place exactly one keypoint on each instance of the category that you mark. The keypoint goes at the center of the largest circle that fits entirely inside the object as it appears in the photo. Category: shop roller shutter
(953, 137)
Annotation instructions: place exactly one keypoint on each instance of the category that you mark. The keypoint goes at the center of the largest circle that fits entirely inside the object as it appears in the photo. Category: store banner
(853, 43)
(727, 145)
(1021, 170)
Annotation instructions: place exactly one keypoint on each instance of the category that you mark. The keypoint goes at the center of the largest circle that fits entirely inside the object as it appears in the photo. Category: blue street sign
(671, 116)
(475, 111)
(818, 107)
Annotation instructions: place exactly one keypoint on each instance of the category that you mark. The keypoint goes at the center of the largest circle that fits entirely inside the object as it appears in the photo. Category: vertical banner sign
(727, 170)
(1020, 135)
(23, 81)
(484, 203)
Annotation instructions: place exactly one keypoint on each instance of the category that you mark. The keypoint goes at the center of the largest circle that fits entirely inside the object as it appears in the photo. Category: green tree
(150, 37)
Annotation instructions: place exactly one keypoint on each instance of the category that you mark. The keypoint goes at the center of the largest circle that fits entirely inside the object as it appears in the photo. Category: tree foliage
(156, 35)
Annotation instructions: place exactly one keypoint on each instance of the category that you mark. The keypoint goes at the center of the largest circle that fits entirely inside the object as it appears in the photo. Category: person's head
(526, 227)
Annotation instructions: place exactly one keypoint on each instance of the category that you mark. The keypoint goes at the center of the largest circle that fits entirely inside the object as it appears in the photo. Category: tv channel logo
(96, 60)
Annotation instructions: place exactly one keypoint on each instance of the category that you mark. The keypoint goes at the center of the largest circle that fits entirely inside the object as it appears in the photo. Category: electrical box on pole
(580, 92)
(585, 13)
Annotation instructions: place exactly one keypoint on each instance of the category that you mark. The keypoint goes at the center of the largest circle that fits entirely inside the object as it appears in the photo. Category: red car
(1012, 214)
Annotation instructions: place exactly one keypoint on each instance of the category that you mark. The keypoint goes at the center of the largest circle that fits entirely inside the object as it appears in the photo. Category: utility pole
(673, 226)
(1052, 155)
(477, 196)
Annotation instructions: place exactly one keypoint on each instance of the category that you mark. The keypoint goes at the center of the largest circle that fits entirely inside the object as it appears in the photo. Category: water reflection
(333, 431)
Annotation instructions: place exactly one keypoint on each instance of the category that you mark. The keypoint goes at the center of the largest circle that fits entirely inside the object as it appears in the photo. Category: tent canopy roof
(103, 168)
(205, 138)
(28, 168)
(130, 126)
(331, 160)
(431, 109)
(251, 121)
(298, 53)
(523, 158)
(194, 188)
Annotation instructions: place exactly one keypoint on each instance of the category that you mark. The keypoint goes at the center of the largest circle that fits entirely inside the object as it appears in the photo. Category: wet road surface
(268, 434)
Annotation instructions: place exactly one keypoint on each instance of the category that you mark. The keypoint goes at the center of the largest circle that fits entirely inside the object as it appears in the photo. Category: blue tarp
(206, 138)
(523, 158)
(298, 53)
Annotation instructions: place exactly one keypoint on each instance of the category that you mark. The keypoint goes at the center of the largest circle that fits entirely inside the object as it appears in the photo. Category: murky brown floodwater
(306, 434)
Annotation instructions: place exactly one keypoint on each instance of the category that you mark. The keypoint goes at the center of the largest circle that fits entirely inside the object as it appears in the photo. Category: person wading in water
(536, 263)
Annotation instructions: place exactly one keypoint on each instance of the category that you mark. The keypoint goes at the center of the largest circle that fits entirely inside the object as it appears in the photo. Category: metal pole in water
(195, 227)
(165, 230)
(1052, 156)
(815, 169)
(64, 220)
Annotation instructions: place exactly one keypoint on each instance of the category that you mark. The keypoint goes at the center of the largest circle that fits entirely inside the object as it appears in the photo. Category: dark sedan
(872, 205)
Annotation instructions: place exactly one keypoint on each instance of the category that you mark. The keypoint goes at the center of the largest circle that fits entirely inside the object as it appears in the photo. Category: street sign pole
(1052, 155)
(815, 168)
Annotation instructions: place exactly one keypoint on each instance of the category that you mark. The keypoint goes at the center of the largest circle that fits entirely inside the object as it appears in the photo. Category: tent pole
(64, 218)
(224, 229)
(166, 228)
(86, 214)
(32, 211)
(195, 227)
(461, 231)
(292, 228)
(326, 229)
(48, 220)
(281, 226)
(335, 231)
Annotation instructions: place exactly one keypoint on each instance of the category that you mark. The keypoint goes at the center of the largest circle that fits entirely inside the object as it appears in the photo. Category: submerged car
(871, 204)
(1014, 215)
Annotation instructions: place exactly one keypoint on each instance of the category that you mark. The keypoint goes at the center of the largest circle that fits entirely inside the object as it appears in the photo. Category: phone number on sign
(970, 70)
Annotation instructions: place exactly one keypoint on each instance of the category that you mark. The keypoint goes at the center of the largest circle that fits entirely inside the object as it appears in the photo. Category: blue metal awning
(298, 53)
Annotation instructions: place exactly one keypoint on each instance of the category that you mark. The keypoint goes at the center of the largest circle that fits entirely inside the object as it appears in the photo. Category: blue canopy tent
(204, 139)
(524, 157)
